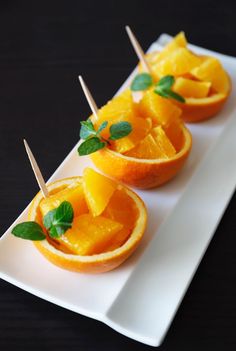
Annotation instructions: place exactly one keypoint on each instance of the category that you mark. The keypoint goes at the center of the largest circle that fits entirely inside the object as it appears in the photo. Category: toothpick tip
(80, 79)
(128, 30)
(138, 49)
(36, 170)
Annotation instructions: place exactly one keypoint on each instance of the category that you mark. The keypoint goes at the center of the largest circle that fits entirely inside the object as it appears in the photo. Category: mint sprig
(57, 222)
(163, 88)
(94, 141)
(144, 81)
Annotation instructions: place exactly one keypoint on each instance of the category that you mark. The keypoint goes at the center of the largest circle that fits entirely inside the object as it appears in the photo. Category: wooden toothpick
(89, 98)
(36, 170)
(138, 50)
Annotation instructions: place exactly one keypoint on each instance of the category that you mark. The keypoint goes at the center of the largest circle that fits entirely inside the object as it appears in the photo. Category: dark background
(43, 47)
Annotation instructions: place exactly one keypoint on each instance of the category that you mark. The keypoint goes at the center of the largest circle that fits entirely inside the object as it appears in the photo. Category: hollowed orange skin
(142, 173)
(197, 110)
(100, 265)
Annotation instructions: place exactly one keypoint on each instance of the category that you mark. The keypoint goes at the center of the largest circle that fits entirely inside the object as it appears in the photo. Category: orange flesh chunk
(160, 109)
(73, 194)
(120, 107)
(190, 88)
(212, 71)
(178, 42)
(123, 108)
(98, 190)
(140, 128)
(119, 239)
(163, 142)
(91, 235)
(178, 62)
(153, 146)
(122, 209)
(163, 113)
(146, 149)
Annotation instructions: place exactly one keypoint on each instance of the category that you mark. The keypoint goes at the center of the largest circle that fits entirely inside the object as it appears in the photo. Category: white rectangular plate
(141, 297)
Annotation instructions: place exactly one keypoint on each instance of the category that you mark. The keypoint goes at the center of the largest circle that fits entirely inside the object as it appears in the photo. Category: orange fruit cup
(201, 80)
(111, 255)
(142, 173)
(154, 151)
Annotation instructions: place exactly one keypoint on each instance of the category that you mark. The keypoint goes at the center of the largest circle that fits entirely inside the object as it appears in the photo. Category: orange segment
(212, 71)
(122, 108)
(98, 190)
(179, 41)
(122, 209)
(119, 239)
(190, 88)
(160, 109)
(146, 149)
(163, 142)
(177, 63)
(140, 128)
(174, 131)
(153, 146)
(90, 235)
(163, 112)
(154, 58)
(73, 194)
(119, 108)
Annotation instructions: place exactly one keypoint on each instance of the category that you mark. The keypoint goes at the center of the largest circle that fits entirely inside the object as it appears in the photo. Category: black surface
(43, 46)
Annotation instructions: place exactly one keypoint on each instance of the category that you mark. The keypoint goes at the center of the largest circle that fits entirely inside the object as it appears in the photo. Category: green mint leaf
(120, 130)
(102, 126)
(29, 231)
(87, 129)
(49, 218)
(141, 82)
(166, 82)
(163, 88)
(176, 96)
(58, 230)
(53, 232)
(169, 94)
(88, 124)
(90, 145)
(161, 92)
(64, 214)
